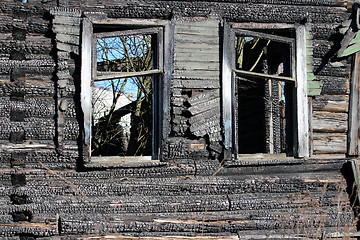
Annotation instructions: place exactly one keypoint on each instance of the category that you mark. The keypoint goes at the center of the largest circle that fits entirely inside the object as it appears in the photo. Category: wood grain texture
(330, 122)
(329, 143)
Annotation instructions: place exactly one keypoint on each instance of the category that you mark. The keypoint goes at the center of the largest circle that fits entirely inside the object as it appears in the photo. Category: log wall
(47, 193)
(40, 83)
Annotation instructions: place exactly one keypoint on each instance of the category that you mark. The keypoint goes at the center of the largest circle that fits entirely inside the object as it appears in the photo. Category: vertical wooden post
(301, 94)
(311, 144)
(353, 135)
(227, 97)
(86, 72)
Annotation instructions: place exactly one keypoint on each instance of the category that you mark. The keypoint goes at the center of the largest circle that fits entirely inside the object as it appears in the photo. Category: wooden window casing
(297, 77)
(91, 31)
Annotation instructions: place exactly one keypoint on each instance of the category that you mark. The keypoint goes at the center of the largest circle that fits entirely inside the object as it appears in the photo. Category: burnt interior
(264, 107)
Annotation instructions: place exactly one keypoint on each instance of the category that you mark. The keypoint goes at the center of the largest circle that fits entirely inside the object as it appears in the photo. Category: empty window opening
(264, 92)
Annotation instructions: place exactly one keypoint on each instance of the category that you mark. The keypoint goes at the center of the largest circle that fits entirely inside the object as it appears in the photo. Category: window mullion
(142, 31)
(112, 75)
(263, 76)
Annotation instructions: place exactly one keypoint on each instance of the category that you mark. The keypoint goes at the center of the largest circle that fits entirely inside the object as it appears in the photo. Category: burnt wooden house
(157, 119)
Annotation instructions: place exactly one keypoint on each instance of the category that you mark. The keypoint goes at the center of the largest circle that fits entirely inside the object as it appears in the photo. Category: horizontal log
(286, 201)
(65, 38)
(185, 29)
(198, 66)
(197, 48)
(203, 96)
(324, 31)
(322, 69)
(26, 64)
(42, 184)
(329, 143)
(320, 48)
(198, 80)
(204, 25)
(33, 107)
(257, 168)
(67, 47)
(42, 46)
(197, 39)
(205, 223)
(334, 85)
(345, 231)
(206, 125)
(285, 13)
(32, 229)
(331, 103)
(329, 122)
(203, 116)
(170, 236)
(34, 128)
(67, 20)
(66, 29)
(204, 106)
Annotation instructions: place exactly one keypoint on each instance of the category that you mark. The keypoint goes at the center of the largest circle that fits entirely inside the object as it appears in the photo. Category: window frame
(298, 65)
(146, 31)
(88, 61)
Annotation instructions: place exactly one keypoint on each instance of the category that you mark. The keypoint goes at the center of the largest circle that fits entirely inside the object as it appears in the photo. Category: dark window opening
(264, 87)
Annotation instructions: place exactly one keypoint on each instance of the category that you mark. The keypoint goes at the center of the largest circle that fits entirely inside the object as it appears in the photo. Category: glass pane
(254, 54)
(122, 117)
(126, 53)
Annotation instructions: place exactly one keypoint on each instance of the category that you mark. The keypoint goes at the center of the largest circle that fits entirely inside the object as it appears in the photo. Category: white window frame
(301, 126)
(162, 29)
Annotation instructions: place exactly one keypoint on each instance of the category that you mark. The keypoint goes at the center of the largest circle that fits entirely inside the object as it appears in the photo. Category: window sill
(260, 159)
(123, 162)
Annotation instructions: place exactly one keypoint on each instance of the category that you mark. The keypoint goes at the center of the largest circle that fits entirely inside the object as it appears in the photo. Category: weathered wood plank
(200, 25)
(337, 69)
(334, 85)
(191, 39)
(331, 103)
(330, 122)
(168, 237)
(206, 126)
(65, 38)
(202, 223)
(264, 167)
(204, 106)
(197, 47)
(197, 30)
(329, 143)
(30, 88)
(203, 97)
(353, 136)
(189, 65)
(302, 109)
(193, 78)
(66, 29)
(67, 20)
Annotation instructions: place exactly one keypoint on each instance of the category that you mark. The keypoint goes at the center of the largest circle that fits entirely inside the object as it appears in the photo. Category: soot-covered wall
(41, 115)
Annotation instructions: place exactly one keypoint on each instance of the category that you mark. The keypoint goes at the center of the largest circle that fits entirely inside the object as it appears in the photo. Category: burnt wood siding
(46, 192)
(196, 83)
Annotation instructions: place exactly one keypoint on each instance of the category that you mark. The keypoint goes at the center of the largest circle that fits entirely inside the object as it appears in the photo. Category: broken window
(263, 104)
(260, 75)
(123, 117)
